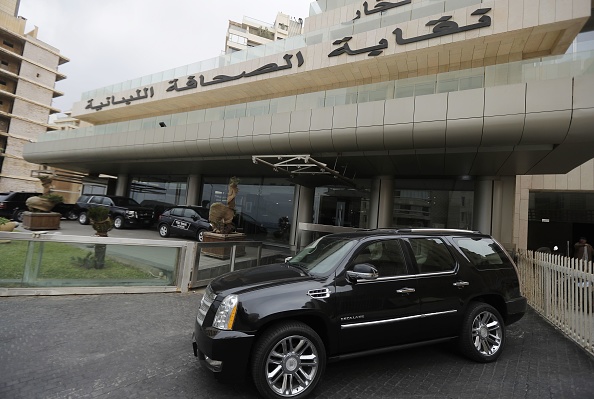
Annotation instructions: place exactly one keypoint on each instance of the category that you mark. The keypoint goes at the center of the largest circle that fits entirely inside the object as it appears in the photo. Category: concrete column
(303, 202)
(122, 185)
(381, 207)
(494, 201)
(483, 206)
(193, 190)
(503, 213)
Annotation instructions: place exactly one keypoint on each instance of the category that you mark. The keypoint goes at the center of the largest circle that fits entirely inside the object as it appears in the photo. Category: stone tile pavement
(139, 346)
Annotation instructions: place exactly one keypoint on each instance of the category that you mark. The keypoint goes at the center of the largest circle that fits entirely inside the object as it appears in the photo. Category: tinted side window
(188, 213)
(83, 199)
(483, 253)
(432, 255)
(96, 200)
(386, 256)
(107, 201)
(177, 212)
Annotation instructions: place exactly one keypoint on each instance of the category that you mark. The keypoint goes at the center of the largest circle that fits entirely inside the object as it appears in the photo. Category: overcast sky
(111, 41)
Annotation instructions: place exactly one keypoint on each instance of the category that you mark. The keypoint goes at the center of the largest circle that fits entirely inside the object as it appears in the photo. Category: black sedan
(187, 221)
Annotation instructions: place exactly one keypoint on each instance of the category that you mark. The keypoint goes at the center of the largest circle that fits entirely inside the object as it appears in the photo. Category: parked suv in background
(12, 203)
(187, 221)
(353, 294)
(123, 211)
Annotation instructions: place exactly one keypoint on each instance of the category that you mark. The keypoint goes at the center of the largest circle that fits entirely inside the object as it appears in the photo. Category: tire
(71, 215)
(18, 215)
(288, 361)
(83, 218)
(482, 338)
(118, 222)
(200, 235)
(164, 230)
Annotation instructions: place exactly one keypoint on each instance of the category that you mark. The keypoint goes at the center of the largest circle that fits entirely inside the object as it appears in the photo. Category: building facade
(394, 114)
(28, 73)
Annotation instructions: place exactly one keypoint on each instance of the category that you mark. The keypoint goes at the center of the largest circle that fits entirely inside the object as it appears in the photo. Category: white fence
(561, 289)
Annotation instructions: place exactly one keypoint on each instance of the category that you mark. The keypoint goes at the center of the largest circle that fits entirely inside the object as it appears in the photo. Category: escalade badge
(349, 318)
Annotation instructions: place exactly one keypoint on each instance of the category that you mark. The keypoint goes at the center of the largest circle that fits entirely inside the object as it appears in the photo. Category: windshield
(323, 255)
(122, 201)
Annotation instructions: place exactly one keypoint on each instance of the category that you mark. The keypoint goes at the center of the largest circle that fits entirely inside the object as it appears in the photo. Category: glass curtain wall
(342, 206)
(433, 209)
(263, 206)
(159, 191)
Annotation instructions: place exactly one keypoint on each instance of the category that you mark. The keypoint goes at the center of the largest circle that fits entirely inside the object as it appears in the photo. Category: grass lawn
(61, 261)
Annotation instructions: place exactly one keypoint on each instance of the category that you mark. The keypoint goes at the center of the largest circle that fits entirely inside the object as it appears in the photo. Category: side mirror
(194, 218)
(288, 258)
(362, 271)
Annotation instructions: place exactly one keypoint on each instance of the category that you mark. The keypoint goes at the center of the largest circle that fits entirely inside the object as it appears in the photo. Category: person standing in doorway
(582, 250)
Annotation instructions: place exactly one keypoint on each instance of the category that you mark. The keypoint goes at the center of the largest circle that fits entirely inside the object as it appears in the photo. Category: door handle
(405, 290)
(461, 284)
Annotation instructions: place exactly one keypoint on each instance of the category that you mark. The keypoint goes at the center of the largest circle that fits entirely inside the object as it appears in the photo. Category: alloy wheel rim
(486, 333)
(163, 230)
(292, 365)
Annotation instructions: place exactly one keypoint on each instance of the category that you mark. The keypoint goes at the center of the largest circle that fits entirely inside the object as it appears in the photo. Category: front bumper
(226, 353)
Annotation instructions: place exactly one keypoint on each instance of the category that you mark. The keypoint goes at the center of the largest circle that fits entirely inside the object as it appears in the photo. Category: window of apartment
(5, 63)
(2, 82)
(8, 44)
(283, 26)
(237, 39)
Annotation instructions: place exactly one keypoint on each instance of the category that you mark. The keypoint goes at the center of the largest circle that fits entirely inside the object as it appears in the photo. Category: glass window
(484, 253)
(386, 256)
(179, 212)
(432, 255)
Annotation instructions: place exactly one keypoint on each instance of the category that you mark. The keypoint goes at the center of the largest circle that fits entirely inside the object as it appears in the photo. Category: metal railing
(55, 264)
(561, 289)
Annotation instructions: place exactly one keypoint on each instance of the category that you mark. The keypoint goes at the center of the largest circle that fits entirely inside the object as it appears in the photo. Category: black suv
(12, 204)
(188, 221)
(123, 211)
(354, 294)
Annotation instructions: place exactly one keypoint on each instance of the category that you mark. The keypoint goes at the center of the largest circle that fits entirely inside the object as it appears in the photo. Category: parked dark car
(123, 211)
(158, 207)
(13, 205)
(186, 221)
(354, 294)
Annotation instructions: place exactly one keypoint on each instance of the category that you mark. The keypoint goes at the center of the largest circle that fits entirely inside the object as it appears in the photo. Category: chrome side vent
(207, 300)
(319, 293)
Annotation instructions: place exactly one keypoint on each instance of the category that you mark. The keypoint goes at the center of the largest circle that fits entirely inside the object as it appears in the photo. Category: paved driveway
(138, 346)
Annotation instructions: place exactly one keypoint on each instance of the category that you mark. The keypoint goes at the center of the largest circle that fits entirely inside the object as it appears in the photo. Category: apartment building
(28, 73)
(251, 33)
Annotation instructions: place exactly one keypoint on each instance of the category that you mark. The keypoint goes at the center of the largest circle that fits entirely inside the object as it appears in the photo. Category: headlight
(131, 214)
(226, 314)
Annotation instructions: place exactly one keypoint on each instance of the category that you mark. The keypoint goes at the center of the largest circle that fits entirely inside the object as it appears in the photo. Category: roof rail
(434, 230)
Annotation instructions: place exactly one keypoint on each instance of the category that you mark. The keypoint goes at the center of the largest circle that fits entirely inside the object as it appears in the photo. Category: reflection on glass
(53, 264)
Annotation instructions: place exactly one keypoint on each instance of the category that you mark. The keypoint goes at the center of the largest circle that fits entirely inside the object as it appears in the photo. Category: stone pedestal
(223, 252)
(41, 220)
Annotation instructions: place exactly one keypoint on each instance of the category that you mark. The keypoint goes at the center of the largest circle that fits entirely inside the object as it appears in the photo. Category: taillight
(2, 205)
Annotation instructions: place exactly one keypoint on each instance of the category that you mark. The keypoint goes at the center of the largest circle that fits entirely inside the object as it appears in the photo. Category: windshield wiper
(299, 266)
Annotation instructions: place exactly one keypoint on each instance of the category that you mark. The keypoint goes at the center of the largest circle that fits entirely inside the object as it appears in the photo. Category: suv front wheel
(118, 222)
(483, 333)
(288, 362)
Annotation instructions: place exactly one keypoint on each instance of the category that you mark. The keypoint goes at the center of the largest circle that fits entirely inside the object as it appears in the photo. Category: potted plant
(7, 225)
(101, 223)
(100, 220)
(40, 215)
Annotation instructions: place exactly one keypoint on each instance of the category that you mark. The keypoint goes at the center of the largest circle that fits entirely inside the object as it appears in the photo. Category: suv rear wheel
(83, 218)
(483, 333)
(164, 230)
(18, 215)
(288, 361)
